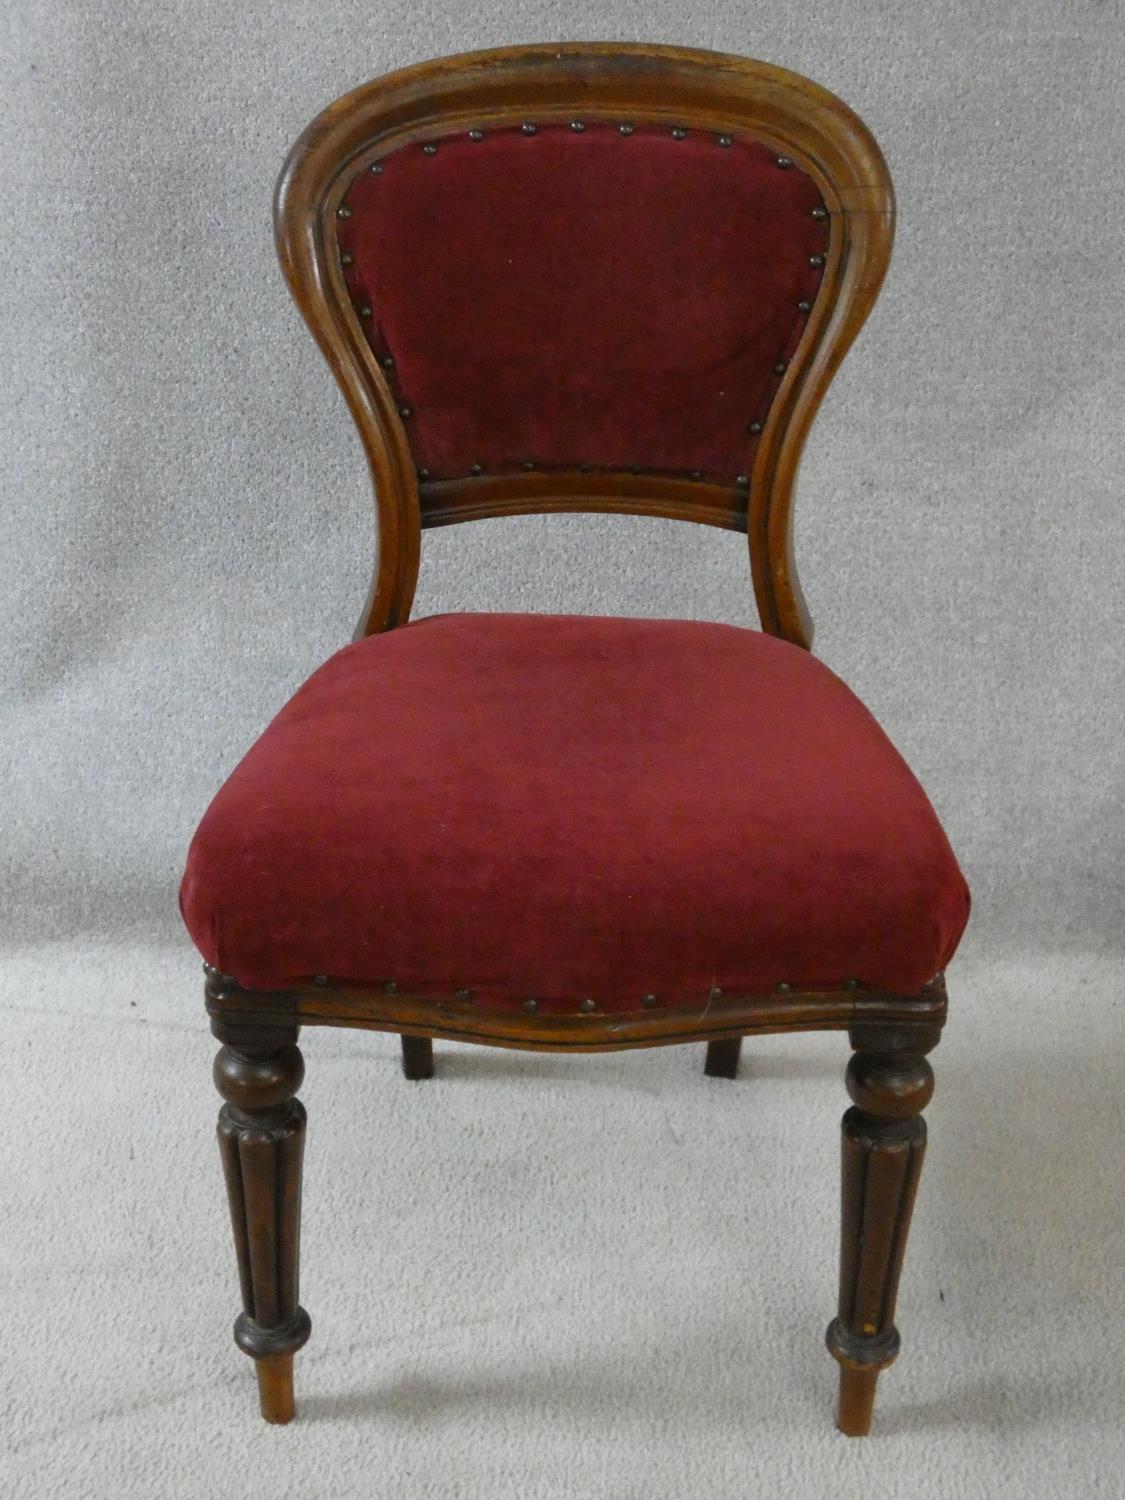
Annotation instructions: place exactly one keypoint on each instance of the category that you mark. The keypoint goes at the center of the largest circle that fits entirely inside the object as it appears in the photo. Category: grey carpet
(558, 1278)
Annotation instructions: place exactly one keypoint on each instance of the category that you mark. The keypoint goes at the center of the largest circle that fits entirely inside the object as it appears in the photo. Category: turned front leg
(261, 1139)
(884, 1142)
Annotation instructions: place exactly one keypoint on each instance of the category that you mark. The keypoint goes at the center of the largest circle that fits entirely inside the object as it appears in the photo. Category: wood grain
(461, 1021)
(883, 1146)
(261, 1135)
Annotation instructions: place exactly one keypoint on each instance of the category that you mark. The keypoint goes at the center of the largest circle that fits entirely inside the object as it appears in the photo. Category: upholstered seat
(567, 809)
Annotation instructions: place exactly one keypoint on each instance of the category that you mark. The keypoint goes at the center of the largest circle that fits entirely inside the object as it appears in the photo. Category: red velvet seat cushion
(563, 807)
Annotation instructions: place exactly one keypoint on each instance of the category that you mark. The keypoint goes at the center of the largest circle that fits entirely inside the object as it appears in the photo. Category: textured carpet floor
(556, 1277)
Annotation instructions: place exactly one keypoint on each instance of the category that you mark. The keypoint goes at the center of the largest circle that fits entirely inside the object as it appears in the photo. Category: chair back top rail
(586, 277)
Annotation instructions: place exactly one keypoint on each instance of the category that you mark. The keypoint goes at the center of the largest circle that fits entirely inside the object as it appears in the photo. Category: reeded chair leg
(261, 1140)
(884, 1141)
(418, 1057)
(722, 1058)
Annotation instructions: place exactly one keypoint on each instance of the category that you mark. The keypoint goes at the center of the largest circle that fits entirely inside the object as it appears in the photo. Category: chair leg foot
(275, 1387)
(722, 1058)
(857, 1401)
(417, 1057)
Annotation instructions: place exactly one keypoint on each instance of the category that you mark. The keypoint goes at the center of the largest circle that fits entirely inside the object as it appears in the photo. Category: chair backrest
(585, 277)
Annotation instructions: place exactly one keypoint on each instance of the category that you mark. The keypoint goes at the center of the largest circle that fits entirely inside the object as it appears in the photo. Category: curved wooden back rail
(638, 88)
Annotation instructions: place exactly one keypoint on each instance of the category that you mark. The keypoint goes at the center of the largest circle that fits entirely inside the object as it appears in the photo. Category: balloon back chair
(579, 278)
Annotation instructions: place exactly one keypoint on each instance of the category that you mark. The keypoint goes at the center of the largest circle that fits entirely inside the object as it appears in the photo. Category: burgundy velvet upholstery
(570, 298)
(566, 807)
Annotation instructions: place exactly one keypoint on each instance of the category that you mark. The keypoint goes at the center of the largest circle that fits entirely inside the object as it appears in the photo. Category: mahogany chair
(579, 278)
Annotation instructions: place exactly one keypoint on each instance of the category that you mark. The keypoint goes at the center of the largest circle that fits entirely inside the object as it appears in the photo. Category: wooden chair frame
(259, 1069)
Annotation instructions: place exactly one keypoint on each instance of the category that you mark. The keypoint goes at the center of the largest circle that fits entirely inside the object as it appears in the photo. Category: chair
(579, 278)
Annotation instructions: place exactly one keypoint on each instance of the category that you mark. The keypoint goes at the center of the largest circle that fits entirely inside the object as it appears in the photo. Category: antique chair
(579, 278)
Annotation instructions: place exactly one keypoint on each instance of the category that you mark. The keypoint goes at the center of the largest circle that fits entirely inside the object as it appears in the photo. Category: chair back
(587, 277)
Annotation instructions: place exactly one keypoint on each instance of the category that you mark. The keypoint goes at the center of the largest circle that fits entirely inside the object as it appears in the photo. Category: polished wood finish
(261, 1141)
(644, 84)
(261, 1133)
(856, 1400)
(275, 1388)
(884, 1143)
(712, 1019)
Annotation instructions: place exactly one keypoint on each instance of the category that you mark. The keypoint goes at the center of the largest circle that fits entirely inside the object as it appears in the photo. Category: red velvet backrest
(586, 277)
(592, 292)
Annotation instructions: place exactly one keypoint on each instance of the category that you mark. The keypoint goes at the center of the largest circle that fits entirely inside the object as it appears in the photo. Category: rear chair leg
(722, 1058)
(418, 1057)
(261, 1140)
(884, 1141)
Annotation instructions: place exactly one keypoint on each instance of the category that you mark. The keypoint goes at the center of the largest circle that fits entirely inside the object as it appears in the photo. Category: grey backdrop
(187, 520)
